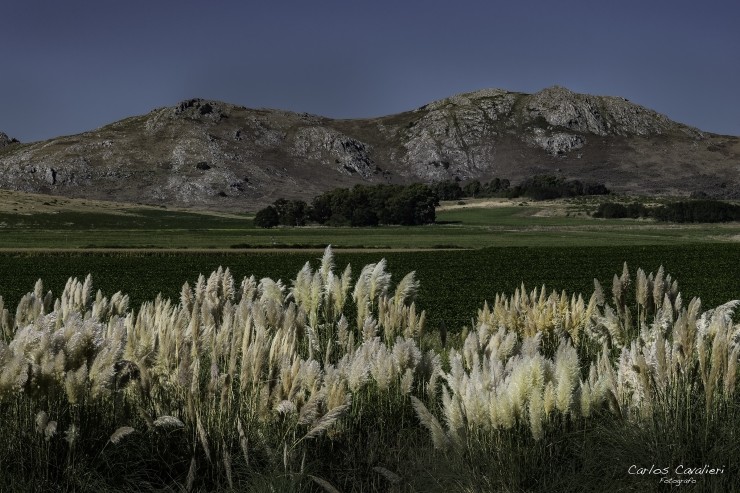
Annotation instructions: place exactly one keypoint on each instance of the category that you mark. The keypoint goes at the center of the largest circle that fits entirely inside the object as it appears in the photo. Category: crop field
(320, 378)
(454, 284)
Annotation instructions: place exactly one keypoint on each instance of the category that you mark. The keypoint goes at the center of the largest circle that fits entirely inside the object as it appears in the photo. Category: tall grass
(329, 384)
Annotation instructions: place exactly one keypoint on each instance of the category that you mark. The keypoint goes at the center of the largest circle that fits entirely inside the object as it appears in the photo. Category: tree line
(538, 187)
(358, 206)
(409, 205)
(692, 211)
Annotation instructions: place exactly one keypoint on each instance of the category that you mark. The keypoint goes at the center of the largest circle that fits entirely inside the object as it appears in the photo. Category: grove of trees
(692, 211)
(357, 206)
(409, 205)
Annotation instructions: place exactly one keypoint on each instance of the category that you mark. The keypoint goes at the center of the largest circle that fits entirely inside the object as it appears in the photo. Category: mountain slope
(209, 154)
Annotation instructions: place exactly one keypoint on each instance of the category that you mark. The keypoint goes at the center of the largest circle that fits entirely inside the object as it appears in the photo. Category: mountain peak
(6, 141)
(600, 115)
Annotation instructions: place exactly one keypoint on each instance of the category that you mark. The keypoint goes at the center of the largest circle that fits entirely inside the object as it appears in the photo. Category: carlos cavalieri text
(678, 470)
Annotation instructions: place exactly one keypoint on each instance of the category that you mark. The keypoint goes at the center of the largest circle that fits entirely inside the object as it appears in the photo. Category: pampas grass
(293, 379)
(120, 434)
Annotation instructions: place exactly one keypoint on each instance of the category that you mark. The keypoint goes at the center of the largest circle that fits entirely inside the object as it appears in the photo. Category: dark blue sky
(72, 66)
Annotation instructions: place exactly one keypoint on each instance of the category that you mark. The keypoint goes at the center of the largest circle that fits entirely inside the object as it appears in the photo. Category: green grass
(127, 219)
(459, 228)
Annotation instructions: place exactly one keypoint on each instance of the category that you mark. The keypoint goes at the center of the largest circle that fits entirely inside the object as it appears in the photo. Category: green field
(143, 251)
(454, 284)
(506, 224)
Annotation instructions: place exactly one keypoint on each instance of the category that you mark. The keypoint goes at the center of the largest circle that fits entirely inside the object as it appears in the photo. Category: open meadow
(275, 375)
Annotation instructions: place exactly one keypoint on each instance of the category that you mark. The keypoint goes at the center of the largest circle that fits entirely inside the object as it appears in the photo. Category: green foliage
(283, 212)
(359, 206)
(698, 211)
(454, 284)
(547, 187)
(695, 211)
(538, 187)
(494, 188)
(267, 217)
(615, 210)
(292, 212)
(370, 206)
(447, 190)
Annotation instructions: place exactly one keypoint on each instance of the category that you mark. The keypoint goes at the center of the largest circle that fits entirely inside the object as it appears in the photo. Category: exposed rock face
(454, 136)
(210, 154)
(6, 141)
(558, 144)
(333, 149)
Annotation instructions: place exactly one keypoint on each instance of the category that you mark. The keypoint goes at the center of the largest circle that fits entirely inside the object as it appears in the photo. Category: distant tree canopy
(494, 188)
(267, 217)
(698, 211)
(545, 187)
(612, 210)
(381, 204)
(539, 187)
(410, 204)
(694, 211)
(358, 206)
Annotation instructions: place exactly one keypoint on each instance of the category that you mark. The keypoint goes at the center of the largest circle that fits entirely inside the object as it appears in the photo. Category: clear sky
(69, 66)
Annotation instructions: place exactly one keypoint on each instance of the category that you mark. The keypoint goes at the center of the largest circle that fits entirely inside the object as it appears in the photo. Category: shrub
(615, 210)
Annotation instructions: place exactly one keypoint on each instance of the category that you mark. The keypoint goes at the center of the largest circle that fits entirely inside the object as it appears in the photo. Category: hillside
(214, 155)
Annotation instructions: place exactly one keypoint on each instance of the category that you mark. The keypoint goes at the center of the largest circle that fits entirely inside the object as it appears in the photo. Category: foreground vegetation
(336, 381)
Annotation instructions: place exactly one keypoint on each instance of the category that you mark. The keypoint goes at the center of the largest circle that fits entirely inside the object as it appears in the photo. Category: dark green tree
(267, 217)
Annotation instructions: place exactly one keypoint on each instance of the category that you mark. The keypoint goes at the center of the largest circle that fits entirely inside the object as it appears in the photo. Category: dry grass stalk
(327, 420)
(392, 477)
(190, 481)
(328, 487)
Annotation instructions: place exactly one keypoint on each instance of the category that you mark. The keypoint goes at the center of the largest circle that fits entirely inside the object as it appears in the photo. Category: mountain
(210, 154)
(6, 141)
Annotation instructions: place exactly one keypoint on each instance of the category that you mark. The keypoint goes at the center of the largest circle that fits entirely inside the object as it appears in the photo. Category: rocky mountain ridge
(210, 154)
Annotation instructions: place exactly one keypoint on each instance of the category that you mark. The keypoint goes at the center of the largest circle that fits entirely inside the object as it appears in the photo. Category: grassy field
(146, 250)
(75, 224)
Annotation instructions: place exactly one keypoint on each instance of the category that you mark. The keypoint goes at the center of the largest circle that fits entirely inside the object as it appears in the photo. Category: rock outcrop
(6, 141)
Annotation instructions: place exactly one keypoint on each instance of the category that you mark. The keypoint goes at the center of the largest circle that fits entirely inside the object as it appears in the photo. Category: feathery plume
(42, 419)
(168, 422)
(328, 419)
(328, 487)
(439, 438)
(50, 430)
(120, 434)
